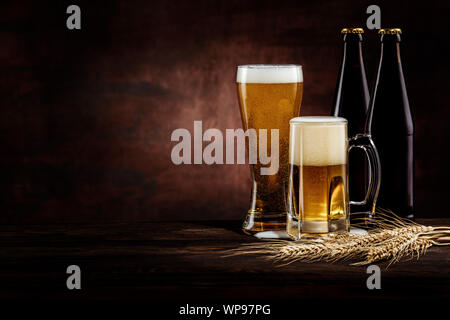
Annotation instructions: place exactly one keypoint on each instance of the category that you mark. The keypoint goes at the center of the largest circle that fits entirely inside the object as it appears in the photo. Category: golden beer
(323, 194)
(269, 96)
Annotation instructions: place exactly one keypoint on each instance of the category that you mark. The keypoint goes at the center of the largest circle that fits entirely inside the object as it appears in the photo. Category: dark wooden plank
(185, 260)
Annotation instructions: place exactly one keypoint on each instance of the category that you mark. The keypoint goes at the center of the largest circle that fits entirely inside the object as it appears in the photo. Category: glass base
(318, 236)
(317, 229)
(268, 221)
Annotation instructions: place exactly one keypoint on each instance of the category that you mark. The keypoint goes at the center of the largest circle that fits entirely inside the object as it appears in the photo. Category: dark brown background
(86, 116)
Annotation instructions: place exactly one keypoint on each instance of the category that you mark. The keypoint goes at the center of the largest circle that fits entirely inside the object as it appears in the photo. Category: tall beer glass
(318, 198)
(269, 96)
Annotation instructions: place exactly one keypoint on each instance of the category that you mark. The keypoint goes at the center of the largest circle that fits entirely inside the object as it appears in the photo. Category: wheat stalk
(389, 238)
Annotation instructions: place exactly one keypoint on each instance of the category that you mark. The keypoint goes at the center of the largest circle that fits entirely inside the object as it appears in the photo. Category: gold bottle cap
(352, 30)
(390, 31)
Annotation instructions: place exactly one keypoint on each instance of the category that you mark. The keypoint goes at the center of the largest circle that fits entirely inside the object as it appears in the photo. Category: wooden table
(184, 261)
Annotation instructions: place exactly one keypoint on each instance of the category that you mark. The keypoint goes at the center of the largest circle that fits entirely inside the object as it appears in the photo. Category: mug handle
(365, 142)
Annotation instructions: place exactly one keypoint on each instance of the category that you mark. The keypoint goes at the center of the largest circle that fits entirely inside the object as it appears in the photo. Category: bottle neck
(351, 98)
(390, 49)
(390, 86)
(352, 50)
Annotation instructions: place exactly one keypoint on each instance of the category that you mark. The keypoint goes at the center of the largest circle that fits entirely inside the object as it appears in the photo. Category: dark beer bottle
(351, 101)
(390, 124)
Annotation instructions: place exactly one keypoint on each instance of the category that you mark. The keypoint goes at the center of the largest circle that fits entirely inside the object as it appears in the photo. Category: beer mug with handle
(318, 199)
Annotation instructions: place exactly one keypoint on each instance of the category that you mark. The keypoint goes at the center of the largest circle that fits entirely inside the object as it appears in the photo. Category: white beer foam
(318, 141)
(318, 119)
(265, 73)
